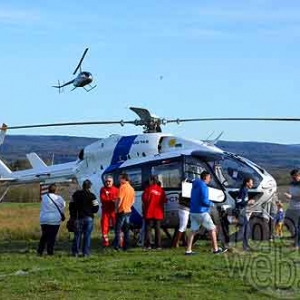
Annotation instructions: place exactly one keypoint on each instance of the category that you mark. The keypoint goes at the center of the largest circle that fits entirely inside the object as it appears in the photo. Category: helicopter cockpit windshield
(86, 74)
(229, 169)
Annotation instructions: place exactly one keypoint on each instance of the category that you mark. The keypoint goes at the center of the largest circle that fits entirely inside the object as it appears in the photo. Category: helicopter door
(214, 194)
(169, 173)
(193, 167)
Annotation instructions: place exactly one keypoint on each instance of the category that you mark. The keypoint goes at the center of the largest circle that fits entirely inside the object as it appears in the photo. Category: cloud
(18, 16)
(251, 14)
(207, 33)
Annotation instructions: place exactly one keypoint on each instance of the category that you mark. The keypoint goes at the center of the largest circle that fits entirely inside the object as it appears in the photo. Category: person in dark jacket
(82, 208)
(242, 202)
(292, 215)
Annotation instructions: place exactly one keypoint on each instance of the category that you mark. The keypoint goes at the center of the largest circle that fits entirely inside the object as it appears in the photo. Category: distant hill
(66, 148)
(268, 155)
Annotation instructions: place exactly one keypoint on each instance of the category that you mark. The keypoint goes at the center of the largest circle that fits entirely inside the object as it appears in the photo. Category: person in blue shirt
(279, 220)
(242, 201)
(199, 213)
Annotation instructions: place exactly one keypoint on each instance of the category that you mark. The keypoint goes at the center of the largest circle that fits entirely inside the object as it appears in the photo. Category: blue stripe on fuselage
(121, 151)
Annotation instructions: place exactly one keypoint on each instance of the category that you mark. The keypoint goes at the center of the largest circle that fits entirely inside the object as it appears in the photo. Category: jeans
(245, 232)
(122, 223)
(149, 224)
(292, 222)
(48, 237)
(85, 228)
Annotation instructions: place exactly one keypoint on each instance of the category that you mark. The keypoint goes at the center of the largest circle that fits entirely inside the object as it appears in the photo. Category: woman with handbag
(51, 215)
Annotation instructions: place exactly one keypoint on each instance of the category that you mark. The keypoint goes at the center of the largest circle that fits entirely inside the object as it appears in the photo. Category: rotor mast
(150, 123)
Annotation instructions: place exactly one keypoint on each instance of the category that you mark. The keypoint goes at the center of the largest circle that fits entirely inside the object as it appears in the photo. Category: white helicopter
(173, 159)
(83, 78)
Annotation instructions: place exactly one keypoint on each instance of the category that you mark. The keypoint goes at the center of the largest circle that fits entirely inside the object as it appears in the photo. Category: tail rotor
(59, 86)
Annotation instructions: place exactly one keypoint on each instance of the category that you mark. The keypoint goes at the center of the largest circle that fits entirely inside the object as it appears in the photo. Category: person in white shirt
(51, 215)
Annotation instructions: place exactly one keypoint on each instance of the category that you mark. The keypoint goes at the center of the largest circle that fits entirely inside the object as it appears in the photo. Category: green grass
(135, 274)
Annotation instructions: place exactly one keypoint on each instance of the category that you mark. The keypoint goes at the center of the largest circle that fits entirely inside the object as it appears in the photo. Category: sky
(216, 58)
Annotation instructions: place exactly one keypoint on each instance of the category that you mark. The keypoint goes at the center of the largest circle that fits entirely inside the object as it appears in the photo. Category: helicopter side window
(135, 177)
(168, 174)
(193, 169)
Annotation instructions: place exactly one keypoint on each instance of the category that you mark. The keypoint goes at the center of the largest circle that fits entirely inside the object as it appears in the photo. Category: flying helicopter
(83, 78)
(172, 158)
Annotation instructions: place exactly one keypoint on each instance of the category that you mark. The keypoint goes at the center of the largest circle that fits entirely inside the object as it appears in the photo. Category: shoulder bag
(62, 215)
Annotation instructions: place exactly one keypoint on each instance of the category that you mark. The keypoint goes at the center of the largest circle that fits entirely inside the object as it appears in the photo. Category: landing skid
(91, 88)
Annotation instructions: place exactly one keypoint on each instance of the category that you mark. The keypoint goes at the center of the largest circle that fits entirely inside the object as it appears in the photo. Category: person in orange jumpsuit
(154, 199)
(108, 196)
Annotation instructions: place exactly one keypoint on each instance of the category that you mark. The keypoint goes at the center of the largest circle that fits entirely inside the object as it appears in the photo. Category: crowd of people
(117, 203)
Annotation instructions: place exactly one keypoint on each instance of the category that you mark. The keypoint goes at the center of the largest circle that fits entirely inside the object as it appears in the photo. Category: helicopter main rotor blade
(81, 60)
(165, 121)
(121, 122)
(141, 122)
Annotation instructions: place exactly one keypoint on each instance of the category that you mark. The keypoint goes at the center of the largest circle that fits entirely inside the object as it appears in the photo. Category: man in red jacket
(108, 196)
(153, 198)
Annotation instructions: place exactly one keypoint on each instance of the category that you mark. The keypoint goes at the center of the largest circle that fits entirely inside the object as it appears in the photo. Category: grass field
(271, 270)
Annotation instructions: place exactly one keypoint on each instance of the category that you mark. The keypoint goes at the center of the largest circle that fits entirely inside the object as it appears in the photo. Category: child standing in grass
(279, 219)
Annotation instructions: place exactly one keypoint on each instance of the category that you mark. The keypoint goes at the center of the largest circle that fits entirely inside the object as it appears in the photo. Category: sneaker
(220, 251)
(147, 248)
(190, 253)
(247, 249)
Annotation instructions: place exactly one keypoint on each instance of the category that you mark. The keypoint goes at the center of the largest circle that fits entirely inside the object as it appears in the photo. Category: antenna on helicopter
(214, 141)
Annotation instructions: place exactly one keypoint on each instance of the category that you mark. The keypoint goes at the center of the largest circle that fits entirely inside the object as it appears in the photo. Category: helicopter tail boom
(60, 87)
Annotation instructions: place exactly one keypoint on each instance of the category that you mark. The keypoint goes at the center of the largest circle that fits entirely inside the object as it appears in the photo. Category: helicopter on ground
(83, 78)
(172, 158)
